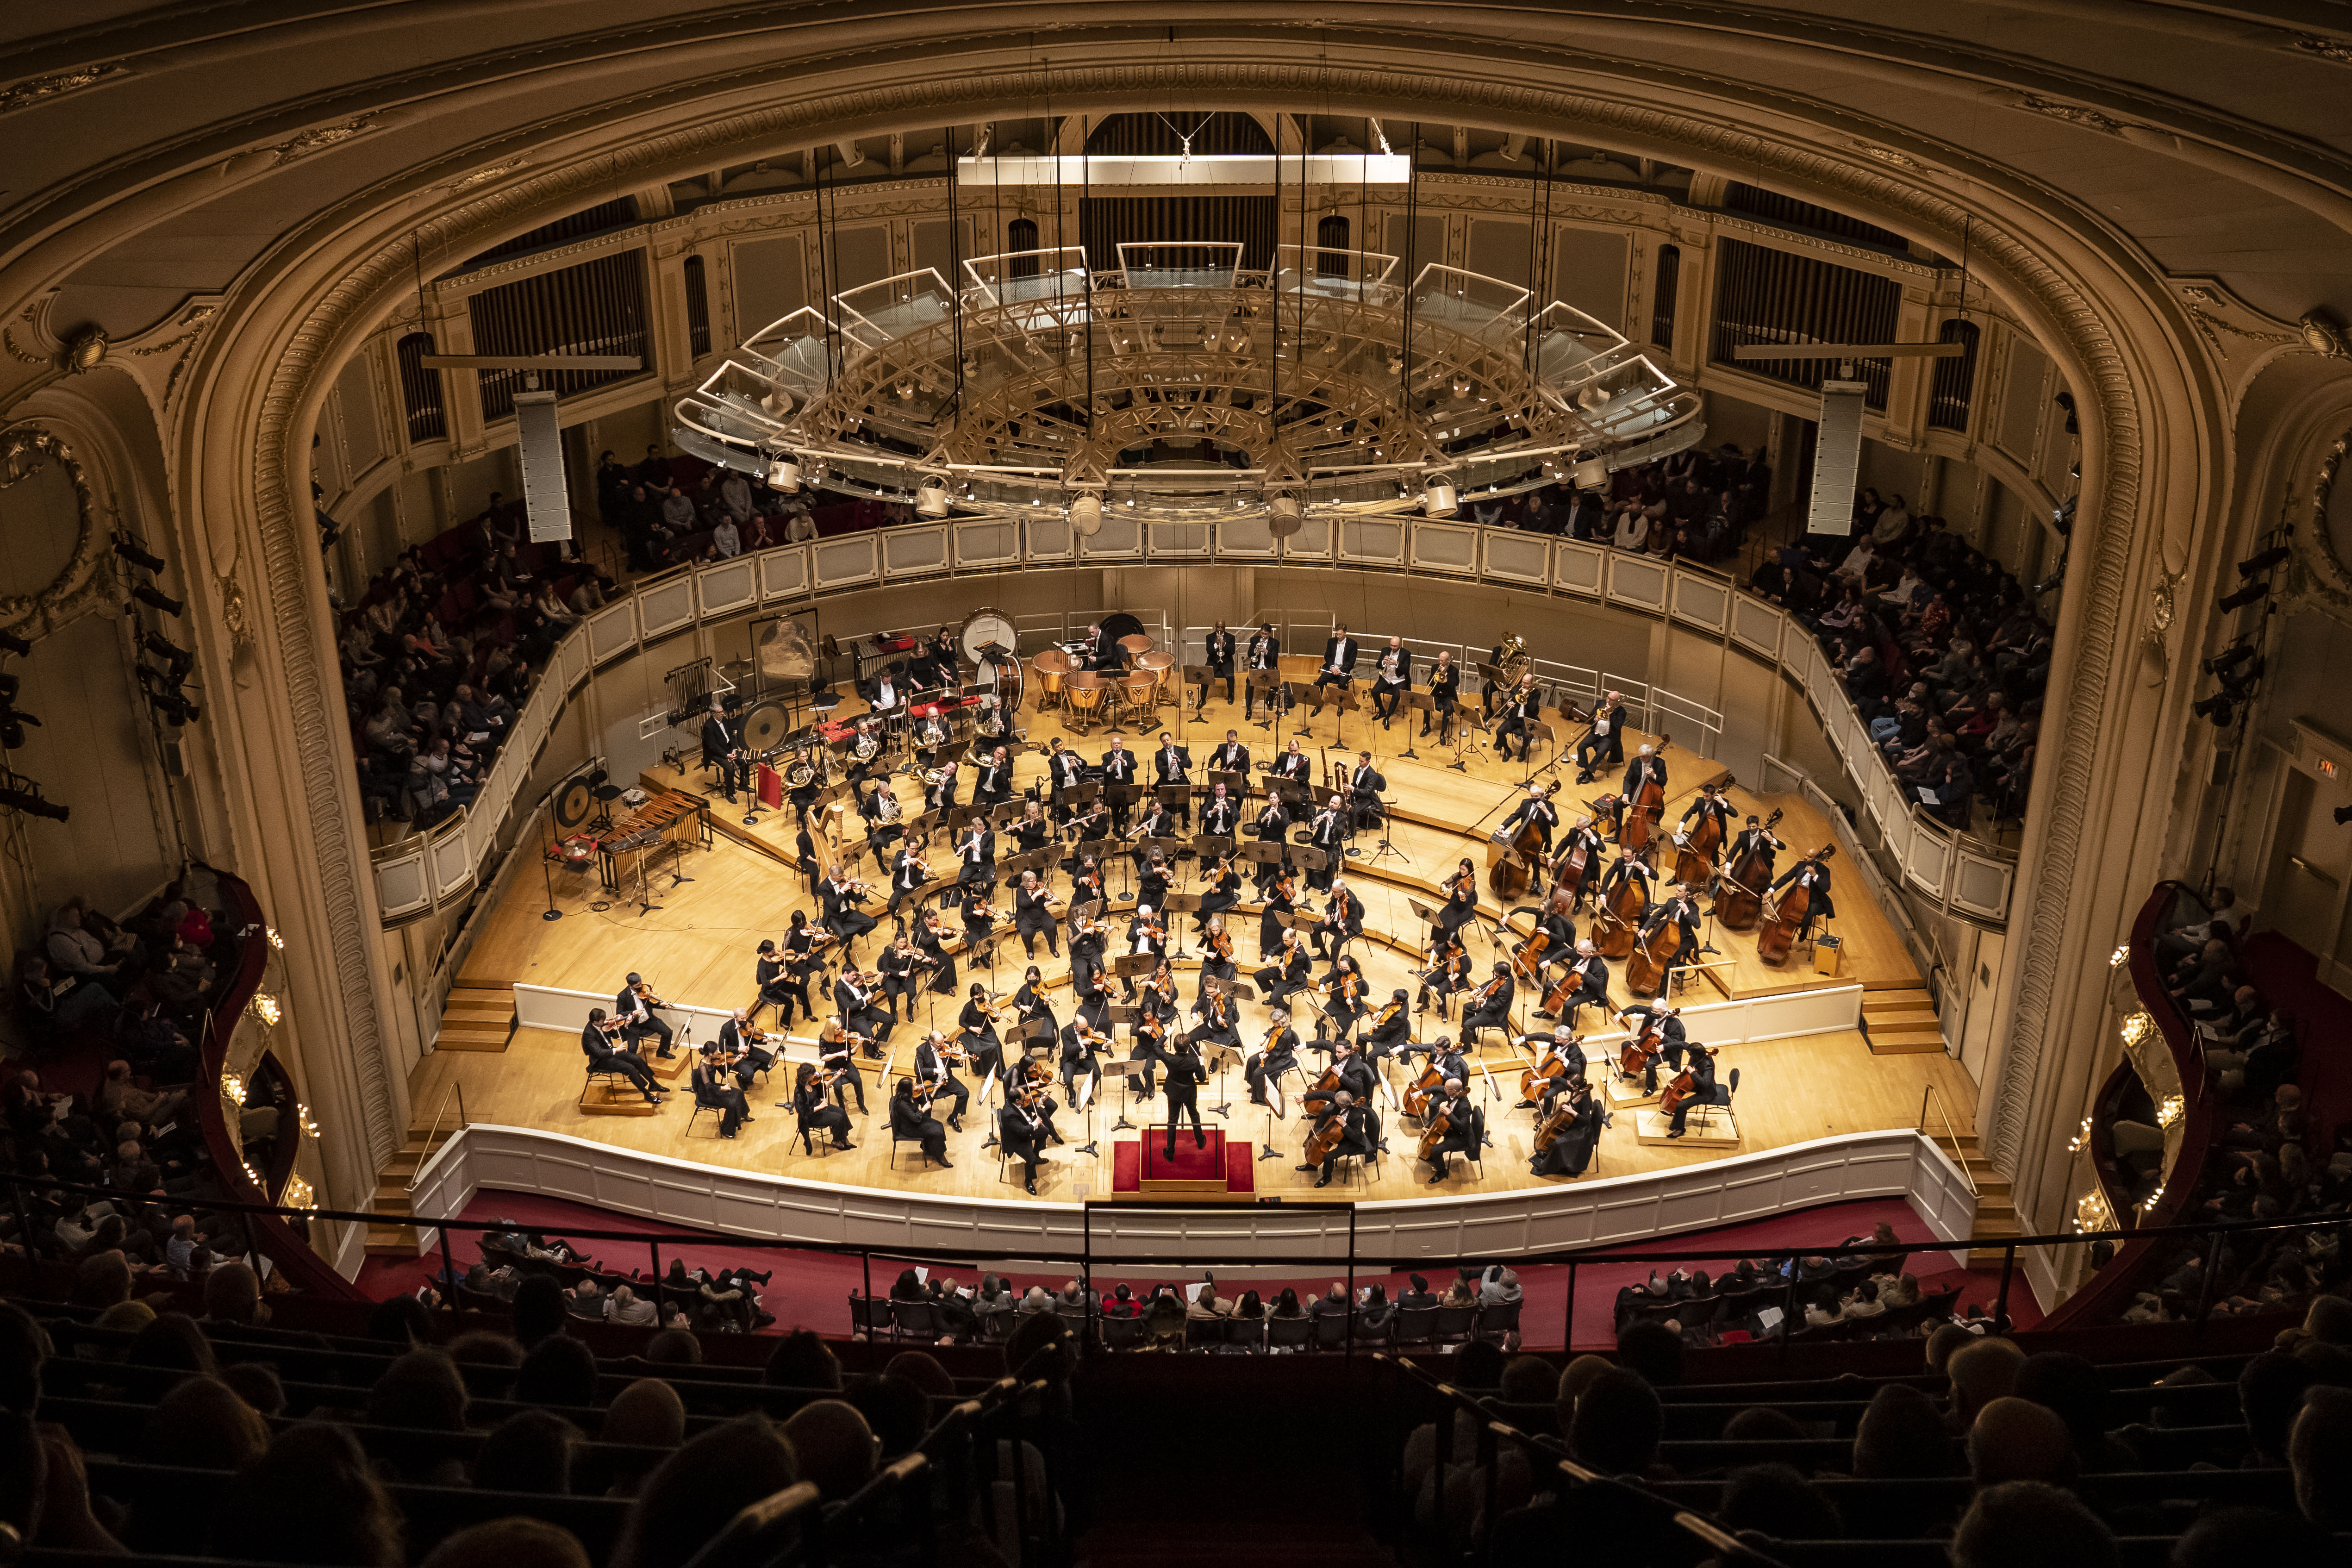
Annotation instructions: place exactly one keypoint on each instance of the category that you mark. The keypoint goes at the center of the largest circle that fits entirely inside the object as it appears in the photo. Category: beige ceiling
(2205, 139)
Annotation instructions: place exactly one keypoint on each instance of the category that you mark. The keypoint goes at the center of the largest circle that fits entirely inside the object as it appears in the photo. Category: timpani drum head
(765, 729)
(574, 802)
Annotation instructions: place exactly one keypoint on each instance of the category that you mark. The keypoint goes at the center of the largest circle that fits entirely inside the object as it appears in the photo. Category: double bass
(1645, 968)
(1740, 898)
(1620, 921)
(1573, 866)
(1643, 811)
(1513, 870)
(1694, 856)
(1779, 928)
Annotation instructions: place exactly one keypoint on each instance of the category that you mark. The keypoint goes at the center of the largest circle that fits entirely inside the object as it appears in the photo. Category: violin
(1285, 891)
(1221, 943)
(645, 993)
(1488, 991)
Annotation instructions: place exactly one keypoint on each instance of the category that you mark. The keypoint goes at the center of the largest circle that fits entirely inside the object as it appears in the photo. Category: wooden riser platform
(1720, 1132)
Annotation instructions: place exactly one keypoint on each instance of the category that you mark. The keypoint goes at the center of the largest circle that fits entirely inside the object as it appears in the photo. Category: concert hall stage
(1806, 1071)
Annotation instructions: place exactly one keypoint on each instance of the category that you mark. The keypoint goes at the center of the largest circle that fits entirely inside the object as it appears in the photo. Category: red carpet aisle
(812, 1289)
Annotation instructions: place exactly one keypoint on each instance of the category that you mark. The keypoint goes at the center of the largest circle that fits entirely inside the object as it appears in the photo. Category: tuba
(1516, 660)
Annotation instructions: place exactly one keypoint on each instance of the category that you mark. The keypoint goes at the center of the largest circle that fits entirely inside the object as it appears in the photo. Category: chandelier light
(1188, 384)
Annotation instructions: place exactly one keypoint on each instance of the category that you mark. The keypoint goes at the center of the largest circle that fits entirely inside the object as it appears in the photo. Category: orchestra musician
(1572, 1150)
(853, 999)
(1119, 768)
(1265, 653)
(633, 1005)
(1447, 975)
(1273, 828)
(1672, 1040)
(1153, 876)
(1519, 710)
(1560, 1045)
(1086, 826)
(1537, 808)
(1704, 1091)
(1221, 815)
(1223, 891)
(1647, 768)
(816, 1114)
(1294, 766)
(940, 793)
(1605, 741)
(1082, 1044)
(901, 968)
(1391, 1027)
(912, 1122)
(1232, 757)
(1811, 873)
(978, 919)
(1277, 1054)
(1021, 1129)
(932, 942)
(1461, 904)
(744, 1048)
(976, 849)
(1158, 822)
(1342, 921)
(1558, 924)
(1591, 972)
(1146, 1040)
(935, 1076)
(1584, 836)
(779, 987)
(1214, 1018)
(1065, 770)
(722, 748)
(1711, 803)
(1033, 831)
(1347, 988)
(838, 1063)
(1286, 974)
(994, 784)
(909, 872)
(1357, 1073)
(1627, 865)
(1033, 918)
(1354, 1139)
(1390, 679)
(883, 815)
(711, 1091)
(1325, 833)
(1682, 910)
(596, 1043)
(1185, 1077)
(1171, 764)
(838, 896)
(1754, 835)
(1217, 957)
(1217, 658)
(1490, 1007)
(1364, 787)
(1465, 1129)
(1339, 665)
(1445, 693)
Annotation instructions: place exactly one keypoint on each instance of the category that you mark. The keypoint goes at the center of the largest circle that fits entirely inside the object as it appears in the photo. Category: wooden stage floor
(696, 947)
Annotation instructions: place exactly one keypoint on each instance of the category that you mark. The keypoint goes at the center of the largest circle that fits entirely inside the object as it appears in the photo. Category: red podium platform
(1225, 1169)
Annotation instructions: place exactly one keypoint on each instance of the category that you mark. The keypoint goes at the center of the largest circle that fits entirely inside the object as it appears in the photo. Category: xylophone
(670, 820)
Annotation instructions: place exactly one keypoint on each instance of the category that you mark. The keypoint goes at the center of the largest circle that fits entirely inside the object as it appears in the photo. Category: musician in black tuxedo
(734, 1040)
(976, 851)
(910, 1123)
(1172, 764)
(1444, 692)
(1465, 1128)
(1605, 740)
(837, 898)
(1277, 1055)
(1682, 911)
(1286, 975)
(1704, 1091)
(1354, 1140)
(1812, 874)
(1221, 815)
(1339, 665)
(1755, 835)
(908, 873)
(853, 1000)
(596, 1041)
(638, 1018)
(1365, 783)
(1520, 708)
(1217, 656)
(1265, 653)
(1326, 833)
(1033, 919)
(1672, 1039)
(1591, 972)
(1118, 767)
(779, 987)
(1537, 808)
(1185, 1077)
(1342, 922)
(1391, 676)
(1392, 1027)
(993, 784)
(722, 748)
(1232, 757)
(933, 1068)
(1627, 866)
(1495, 1011)
(1021, 1129)
(1647, 767)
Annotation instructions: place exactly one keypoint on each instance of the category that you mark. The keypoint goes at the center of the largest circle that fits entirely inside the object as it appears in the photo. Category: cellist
(1681, 910)
(1560, 1045)
(1590, 972)
(1812, 874)
(1703, 1090)
(1353, 1138)
(1465, 1129)
(1672, 1041)
(1571, 1147)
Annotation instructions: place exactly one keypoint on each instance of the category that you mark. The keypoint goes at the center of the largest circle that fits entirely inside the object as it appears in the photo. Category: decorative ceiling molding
(2331, 50)
(2072, 113)
(24, 450)
(25, 93)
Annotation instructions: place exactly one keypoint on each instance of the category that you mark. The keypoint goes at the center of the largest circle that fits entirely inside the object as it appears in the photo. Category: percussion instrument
(1135, 646)
(673, 819)
(987, 631)
(1083, 688)
(574, 802)
(1161, 666)
(1052, 667)
(1140, 690)
(765, 729)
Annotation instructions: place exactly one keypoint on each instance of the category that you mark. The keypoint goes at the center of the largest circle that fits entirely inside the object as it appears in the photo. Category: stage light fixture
(931, 499)
(784, 475)
(129, 548)
(33, 805)
(2217, 707)
(155, 600)
(1437, 499)
(179, 658)
(2228, 658)
(2255, 565)
(2245, 595)
(1592, 473)
(11, 643)
(12, 726)
(2343, 815)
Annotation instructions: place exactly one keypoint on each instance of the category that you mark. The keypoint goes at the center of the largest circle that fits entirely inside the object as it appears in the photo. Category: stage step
(476, 1018)
(470, 1037)
(1904, 1042)
(392, 1241)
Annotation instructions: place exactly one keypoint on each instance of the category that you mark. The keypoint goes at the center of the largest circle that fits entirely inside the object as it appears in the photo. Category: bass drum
(987, 630)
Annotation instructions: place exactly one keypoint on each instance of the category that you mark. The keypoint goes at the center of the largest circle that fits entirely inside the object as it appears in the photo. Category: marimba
(672, 821)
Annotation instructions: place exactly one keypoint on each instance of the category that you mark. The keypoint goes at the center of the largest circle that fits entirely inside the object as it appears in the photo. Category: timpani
(1052, 667)
(1083, 690)
(1161, 666)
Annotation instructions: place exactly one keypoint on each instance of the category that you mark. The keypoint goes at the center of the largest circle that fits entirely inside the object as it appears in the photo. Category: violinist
(1669, 1044)
(1029, 1005)
(742, 1047)
(979, 917)
(1537, 808)
(779, 987)
(931, 941)
(1560, 1046)
(853, 998)
(1520, 708)
(980, 1041)
(1145, 933)
(1445, 693)
(1342, 921)
(1088, 937)
(1085, 883)
(1571, 1147)
(1146, 1040)
(901, 969)
(1465, 1129)
(1172, 764)
(1389, 679)
(837, 1066)
(1032, 918)
(816, 1116)
(1222, 815)
(1647, 768)
(1591, 973)
(1265, 653)
(1185, 1077)
(1082, 1044)
(912, 1122)
(1287, 974)
(1682, 911)
(634, 1006)
(1489, 1008)
(1448, 975)
(1158, 993)
(711, 1091)
(1325, 833)
(1703, 1090)
(1755, 835)
(1347, 988)
(839, 894)
(1276, 1054)
(1461, 904)
(1214, 1021)
(1354, 1135)
(1812, 874)
(994, 784)
(1390, 1028)
(1152, 880)
(1023, 1129)
(1222, 892)
(1232, 757)
(1217, 654)
(596, 1043)
(1605, 741)
(909, 872)
(935, 1075)
(1217, 957)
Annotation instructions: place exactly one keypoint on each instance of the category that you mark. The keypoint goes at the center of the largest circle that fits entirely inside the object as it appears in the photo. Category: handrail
(457, 1087)
(1946, 1112)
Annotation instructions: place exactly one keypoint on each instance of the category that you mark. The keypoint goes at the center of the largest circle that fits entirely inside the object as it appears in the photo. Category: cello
(1329, 1134)
(1684, 1085)
(1694, 856)
(1533, 1079)
(1439, 1125)
(1644, 810)
(1779, 928)
(1620, 921)
(1635, 1059)
(1739, 899)
(1417, 1097)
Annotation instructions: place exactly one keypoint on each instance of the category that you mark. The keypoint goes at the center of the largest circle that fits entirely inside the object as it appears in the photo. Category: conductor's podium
(1224, 1169)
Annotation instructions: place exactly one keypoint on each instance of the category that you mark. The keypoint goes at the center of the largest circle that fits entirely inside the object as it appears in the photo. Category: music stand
(1346, 702)
(1175, 796)
(1269, 682)
(1083, 1093)
(1237, 785)
(1181, 904)
(1423, 703)
(1196, 675)
(1226, 1056)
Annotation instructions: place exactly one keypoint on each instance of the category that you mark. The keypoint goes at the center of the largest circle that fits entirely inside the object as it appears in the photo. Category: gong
(574, 801)
(765, 728)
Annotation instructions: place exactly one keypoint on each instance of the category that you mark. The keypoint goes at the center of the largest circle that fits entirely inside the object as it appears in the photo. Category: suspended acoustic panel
(1837, 457)
(546, 498)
